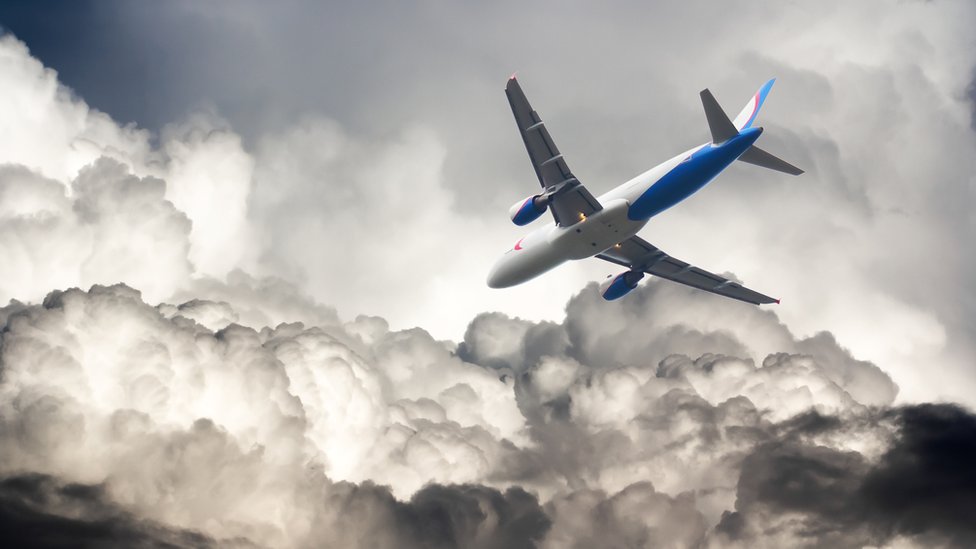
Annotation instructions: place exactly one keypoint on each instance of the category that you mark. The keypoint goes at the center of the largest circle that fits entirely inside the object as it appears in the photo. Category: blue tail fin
(749, 112)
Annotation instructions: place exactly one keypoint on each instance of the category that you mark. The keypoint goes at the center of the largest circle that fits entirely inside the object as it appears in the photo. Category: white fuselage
(551, 245)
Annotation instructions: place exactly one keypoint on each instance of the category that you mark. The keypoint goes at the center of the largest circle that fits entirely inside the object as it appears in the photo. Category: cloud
(793, 492)
(635, 517)
(106, 225)
(923, 483)
(200, 174)
(48, 129)
(208, 176)
(100, 385)
(526, 434)
(436, 516)
(38, 511)
(194, 422)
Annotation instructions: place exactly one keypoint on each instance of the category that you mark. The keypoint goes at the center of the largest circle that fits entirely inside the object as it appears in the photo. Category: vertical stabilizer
(718, 122)
(748, 114)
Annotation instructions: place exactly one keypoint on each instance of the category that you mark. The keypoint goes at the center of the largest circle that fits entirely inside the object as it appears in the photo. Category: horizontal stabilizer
(718, 122)
(759, 157)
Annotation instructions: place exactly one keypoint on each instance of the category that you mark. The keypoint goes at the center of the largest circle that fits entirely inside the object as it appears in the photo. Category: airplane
(606, 227)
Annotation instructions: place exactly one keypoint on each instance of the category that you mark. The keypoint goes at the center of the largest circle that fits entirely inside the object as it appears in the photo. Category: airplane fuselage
(626, 209)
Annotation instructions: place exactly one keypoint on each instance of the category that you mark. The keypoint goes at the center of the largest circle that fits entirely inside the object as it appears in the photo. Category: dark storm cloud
(441, 517)
(925, 483)
(815, 481)
(923, 486)
(41, 511)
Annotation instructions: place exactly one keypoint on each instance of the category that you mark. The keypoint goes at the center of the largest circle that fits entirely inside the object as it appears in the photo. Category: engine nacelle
(526, 211)
(615, 287)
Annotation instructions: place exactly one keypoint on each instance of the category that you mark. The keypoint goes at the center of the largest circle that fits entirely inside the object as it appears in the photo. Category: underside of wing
(637, 254)
(568, 198)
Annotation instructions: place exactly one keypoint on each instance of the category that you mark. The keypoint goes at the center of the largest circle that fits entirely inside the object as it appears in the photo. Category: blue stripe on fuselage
(690, 175)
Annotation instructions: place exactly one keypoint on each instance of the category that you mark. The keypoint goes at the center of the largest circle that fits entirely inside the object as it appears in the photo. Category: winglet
(514, 74)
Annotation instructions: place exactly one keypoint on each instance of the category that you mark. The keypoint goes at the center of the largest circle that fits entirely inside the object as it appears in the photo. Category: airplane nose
(494, 281)
(499, 275)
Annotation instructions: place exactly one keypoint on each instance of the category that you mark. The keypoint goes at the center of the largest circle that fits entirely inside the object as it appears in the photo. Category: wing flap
(636, 253)
(570, 206)
(548, 163)
(568, 198)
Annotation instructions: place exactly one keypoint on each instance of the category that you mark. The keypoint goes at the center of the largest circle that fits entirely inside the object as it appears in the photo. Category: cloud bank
(127, 420)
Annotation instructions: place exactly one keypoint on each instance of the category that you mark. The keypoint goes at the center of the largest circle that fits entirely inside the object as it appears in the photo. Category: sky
(245, 248)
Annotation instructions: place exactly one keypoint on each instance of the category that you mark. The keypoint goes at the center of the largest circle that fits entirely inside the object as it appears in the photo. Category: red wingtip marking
(518, 245)
(777, 302)
(513, 75)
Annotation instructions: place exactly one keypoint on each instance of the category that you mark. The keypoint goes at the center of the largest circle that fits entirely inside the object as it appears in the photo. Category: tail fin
(759, 157)
(724, 129)
(718, 122)
(749, 112)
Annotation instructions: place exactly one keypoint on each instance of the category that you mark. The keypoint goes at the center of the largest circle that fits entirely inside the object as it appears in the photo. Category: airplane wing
(569, 199)
(636, 253)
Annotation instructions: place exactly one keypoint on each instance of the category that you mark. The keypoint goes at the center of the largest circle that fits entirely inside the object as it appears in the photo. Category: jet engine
(615, 287)
(526, 211)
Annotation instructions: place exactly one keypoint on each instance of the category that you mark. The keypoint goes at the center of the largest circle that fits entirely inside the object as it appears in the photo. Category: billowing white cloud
(106, 225)
(49, 130)
(208, 176)
(99, 385)
(201, 174)
(206, 428)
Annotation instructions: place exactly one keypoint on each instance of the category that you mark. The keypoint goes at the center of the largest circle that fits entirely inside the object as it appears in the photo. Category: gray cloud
(920, 488)
(637, 516)
(363, 436)
(437, 516)
(38, 511)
